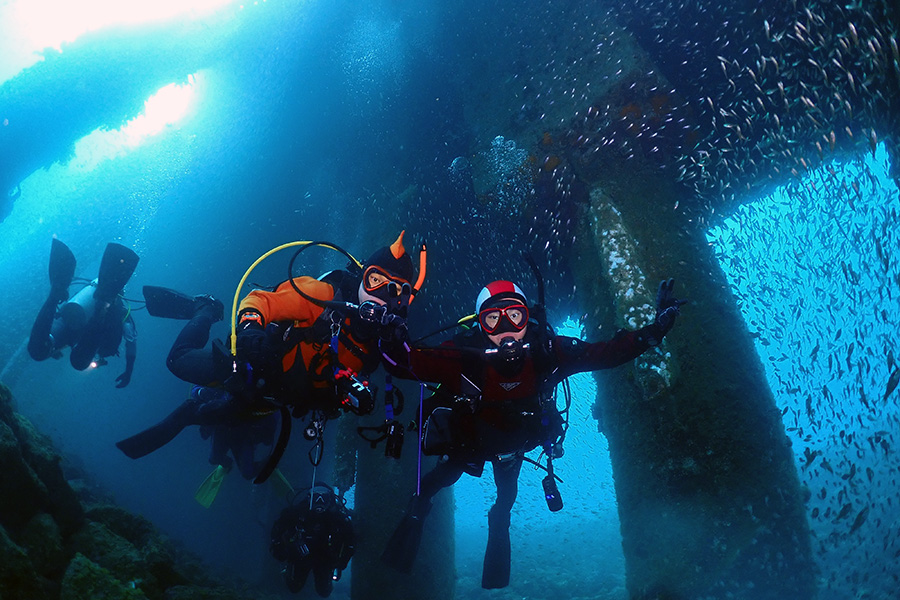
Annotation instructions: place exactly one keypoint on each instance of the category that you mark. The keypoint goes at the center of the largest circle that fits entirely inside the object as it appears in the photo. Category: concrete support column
(709, 499)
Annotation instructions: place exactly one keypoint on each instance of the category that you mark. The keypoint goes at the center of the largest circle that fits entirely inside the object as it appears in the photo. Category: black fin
(403, 546)
(157, 436)
(62, 266)
(167, 303)
(495, 573)
(116, 268)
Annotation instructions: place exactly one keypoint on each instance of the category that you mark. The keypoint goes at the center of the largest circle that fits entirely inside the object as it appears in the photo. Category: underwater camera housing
(551, 493)
(357, 397)
(393, 446)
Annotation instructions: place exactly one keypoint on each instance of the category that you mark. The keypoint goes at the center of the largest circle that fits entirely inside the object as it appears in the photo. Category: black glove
(391, 327)
(254, 346)
(123, 379)
(667, 307)
(395, 329)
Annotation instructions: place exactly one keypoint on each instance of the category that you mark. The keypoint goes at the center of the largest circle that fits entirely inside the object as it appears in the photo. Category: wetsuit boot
(495, 573)
(403, 546)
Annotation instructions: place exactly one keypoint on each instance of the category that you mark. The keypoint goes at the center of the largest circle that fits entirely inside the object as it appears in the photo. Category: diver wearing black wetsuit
(495, 403)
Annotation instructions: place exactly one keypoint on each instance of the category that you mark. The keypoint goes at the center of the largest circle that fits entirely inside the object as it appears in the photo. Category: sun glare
(164, 108)
(27, 27)
(71, 19)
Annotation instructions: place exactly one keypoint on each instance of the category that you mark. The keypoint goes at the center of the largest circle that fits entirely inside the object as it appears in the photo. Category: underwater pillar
(709, 499)
(384, 487)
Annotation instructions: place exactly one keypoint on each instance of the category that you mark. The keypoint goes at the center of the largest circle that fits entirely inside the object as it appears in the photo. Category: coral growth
(655, 370)
(56, 545)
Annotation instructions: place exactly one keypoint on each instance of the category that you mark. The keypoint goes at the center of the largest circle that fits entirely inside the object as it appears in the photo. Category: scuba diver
(95, 320)
(304, 350)
(314, 534)
(244, 443)
(496, 402)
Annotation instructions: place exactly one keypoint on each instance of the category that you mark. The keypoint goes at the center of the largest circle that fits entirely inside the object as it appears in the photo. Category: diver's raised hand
(254, 345)
(667, 306)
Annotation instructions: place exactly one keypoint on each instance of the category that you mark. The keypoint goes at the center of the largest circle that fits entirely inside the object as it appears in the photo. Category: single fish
(893, 380)
(860, 519)
(845, 510)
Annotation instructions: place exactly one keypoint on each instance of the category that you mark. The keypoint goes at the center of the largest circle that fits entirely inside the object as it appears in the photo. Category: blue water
(813, 268)
(340, 120)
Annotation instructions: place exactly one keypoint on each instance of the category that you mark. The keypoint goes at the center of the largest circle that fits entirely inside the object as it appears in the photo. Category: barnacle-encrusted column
(709, 499)
(635, 304)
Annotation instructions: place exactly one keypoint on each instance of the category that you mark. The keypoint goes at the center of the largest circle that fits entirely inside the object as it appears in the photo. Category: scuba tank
(75, 314)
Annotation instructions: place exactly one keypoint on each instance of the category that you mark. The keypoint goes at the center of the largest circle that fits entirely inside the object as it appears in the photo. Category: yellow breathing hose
(237, 292)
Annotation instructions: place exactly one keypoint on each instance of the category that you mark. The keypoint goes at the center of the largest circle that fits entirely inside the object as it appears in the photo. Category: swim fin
(281, 485)
(168, 303)
(403, 546)
(62, 268)
(208, 490)
(116, 268)
(495, 573)
(157, 436)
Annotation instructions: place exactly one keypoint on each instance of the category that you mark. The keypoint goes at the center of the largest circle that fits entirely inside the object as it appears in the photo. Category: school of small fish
(812, 268)
(802, 94)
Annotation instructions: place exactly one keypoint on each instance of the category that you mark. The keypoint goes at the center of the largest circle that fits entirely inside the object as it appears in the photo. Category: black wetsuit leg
(220, 444)
(506, 477)
(40, 344)
(445, 474)
(189, 359)
(497, 555)
(322, 575)
(219, 411)
(295, 574)
(403, 545)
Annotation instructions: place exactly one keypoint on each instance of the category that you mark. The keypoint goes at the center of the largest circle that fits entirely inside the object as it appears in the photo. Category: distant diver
(314, 534)
(95, 320)
(496, 402)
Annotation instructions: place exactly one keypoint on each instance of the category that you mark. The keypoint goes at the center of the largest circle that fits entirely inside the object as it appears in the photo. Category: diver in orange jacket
(305, 350)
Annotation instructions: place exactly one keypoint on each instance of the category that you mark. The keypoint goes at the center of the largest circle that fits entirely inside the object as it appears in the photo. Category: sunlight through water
(166, 107)
(28, 27)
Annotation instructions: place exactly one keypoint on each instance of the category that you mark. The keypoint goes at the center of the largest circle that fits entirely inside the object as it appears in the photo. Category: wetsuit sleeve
(342, 540)
(285, 304)
(442, 364)
(129, 333)
(578, 356)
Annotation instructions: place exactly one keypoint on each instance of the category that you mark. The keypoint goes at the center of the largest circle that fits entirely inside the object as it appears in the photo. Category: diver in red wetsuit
(495, 403)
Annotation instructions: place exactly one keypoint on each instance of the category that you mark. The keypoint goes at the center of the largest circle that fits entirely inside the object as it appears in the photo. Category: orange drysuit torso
(307, 338)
